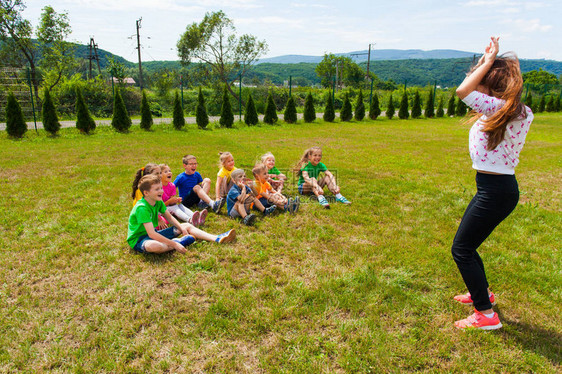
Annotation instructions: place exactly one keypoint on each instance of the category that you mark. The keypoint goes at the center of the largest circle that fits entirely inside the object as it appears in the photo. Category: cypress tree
(390, 109)
(146, 115)
(557, 106)
(416, 108)
(309, 111)
(360, 107)
(270, 116)
(84, 121)
(49, 114)
(430, 106)
(550, 104)
(403, 112)
(542, 104)
(529, 101)
(346, 113)
(227, 117)
(451, 106)
(201, 116)
(440, 112)
(251, 114)
(177, 114)
(374, 109)
(329, 114)
(290, 114)
(121, 120)
(15, 124)
(461, 108)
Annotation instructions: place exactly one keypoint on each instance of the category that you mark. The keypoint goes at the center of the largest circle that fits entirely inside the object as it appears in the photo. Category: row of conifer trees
(16, 126)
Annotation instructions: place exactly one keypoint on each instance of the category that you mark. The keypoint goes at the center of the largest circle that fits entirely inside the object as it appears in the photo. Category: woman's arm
(473, 80)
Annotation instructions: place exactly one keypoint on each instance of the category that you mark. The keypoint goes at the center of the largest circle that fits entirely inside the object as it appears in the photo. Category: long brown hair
(504, 80)
(148, 169)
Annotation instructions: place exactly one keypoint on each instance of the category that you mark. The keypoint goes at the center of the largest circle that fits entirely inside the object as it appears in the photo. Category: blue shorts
(301, 189)
(169, 233)
(190, 199)
(264, 202)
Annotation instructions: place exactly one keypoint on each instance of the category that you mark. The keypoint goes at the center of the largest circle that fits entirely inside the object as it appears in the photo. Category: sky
(532, 29)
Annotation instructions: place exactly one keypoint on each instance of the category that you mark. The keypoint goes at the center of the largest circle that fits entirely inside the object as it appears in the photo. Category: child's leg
(278, 199)
(181, 212)
(241, 209)
(201, 191)
(200, 234)
(313, 187)
(330, 182)
(257, 203)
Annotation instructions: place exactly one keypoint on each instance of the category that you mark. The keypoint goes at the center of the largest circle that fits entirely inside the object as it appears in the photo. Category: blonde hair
(504, 80)
(223, 156)
(237, 174)
(267, 155)
(147, 170)
(186, 158)
(259, 167)
(306, 158)
(162, 166)
(146, 182)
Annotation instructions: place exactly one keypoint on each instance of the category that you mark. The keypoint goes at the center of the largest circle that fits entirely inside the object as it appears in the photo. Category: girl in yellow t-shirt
(224, 182)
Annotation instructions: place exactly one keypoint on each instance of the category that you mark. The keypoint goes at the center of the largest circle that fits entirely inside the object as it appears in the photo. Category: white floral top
(505, 157)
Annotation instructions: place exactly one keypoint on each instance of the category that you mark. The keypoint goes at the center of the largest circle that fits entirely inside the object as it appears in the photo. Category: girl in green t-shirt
(275, 177)
(309, 168)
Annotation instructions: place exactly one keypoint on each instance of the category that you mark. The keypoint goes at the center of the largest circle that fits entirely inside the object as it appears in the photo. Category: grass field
(360, 288)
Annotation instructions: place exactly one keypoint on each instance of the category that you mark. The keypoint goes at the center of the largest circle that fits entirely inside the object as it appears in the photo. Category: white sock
(339, 196)
(489, 315)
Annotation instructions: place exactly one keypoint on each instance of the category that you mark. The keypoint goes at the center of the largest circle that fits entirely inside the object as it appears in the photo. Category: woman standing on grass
(493, 90)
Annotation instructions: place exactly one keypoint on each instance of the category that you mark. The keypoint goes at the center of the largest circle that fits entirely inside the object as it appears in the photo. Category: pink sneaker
(479, 321)
(466, 299)
(195, 220)
(202, 217)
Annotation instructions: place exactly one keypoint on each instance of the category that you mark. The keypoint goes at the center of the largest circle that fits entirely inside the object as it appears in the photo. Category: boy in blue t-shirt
(143, 237)
(193, 189)
(240, 199)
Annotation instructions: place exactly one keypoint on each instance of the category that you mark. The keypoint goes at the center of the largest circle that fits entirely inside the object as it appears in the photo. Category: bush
(404, 112)
(461, 108)
(177, 114)
(270, 116)
(557, 104)
(227, 117)
(440, 112)
(390, 109)
(329, 114)
(201, 116)
(430, 106)
(84, 121)
(451, 106)
(346, 113)
(15, 124)
(49, 114)
(251, 114)
(309, 111)
(360, 107)
(290, 114)
(374, 109)
(416, 108)
(146, 114)
(542, 104)
(121, 120)
(550, 104)
(529, 101)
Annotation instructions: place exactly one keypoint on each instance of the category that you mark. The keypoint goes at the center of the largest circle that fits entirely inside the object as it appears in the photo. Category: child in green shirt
(309, 168)
(143, 237)
(275, 177)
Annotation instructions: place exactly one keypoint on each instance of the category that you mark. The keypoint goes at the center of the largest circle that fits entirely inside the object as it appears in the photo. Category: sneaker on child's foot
(466, 299)
(202, 205)
(479, 321)
(296, 204)
(322, 200)
(217, 205)
(185, 241)
(343, 200)
(289, 205)
(195, 220)
(269, 210)
(226, 237)
(249, 219)
(202, 217)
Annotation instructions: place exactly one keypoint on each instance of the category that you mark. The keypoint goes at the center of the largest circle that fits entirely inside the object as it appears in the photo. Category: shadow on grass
(155, 258)
(546, 343)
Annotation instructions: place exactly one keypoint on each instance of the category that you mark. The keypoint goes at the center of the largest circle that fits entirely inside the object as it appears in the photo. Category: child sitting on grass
(149, 169)
(240, 198)
(142, 237)
(274, 176)
(224, 179)
(268, 196)
(309, 168)
(173, 202)
(193, 189)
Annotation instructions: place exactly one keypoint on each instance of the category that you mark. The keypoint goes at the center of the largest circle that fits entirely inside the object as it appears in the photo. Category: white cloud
(528, 25)
(487, 3)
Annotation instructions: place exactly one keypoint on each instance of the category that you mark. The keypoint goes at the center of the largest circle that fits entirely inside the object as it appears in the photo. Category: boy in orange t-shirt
(268, 196)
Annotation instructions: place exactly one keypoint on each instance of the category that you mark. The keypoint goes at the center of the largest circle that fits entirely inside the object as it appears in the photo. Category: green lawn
(360, 288)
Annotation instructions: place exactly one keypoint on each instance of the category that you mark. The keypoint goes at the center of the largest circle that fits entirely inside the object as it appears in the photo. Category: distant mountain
(376, 54)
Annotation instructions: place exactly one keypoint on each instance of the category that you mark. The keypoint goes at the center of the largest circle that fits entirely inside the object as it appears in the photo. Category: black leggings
(495, 199)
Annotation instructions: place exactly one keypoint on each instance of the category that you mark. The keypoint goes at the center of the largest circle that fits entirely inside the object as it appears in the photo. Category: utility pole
(93, 55)
(139, 50)
(369, 59)
(337, 68)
